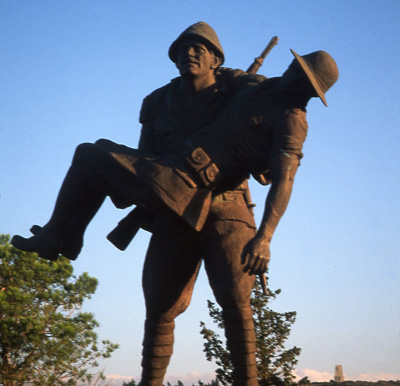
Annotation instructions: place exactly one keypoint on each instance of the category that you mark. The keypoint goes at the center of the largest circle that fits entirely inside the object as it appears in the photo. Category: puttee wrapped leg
(241, 342)
(157, 350)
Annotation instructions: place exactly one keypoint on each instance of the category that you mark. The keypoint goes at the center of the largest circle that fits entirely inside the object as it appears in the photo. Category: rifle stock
(127, 228)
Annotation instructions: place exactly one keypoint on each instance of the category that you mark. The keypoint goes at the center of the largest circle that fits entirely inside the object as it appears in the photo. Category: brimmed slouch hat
(321, 69)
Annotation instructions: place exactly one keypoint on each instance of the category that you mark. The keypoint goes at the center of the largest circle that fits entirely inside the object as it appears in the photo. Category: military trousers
(171, 267)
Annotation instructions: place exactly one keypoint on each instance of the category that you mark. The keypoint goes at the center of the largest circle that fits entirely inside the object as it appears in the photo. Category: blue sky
(75, 71)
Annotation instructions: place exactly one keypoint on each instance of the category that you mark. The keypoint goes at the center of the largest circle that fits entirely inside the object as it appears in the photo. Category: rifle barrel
(273, 42)
(259, 60)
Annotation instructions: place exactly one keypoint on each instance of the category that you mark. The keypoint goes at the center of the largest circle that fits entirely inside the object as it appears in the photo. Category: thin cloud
(325, 376)
(118, 380)
(192, 378)
(187, 379)
(374, 377)
(314, 375)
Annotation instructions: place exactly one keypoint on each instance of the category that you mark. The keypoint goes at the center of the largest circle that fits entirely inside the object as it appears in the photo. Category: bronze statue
(202, 134)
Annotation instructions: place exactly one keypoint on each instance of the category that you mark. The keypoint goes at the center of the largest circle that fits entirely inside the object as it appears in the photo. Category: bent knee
(103, 141)
(83, 150)
(87, 153)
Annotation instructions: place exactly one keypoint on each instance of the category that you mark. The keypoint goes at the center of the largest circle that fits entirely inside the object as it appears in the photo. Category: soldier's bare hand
(255, 256)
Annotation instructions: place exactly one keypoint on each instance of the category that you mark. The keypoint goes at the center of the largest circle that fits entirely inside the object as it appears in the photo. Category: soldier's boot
(241, 342)
(78, 197)
(157, 350)
(72, 240)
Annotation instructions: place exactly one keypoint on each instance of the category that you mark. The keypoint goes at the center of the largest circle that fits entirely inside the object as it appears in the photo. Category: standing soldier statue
(202, 135)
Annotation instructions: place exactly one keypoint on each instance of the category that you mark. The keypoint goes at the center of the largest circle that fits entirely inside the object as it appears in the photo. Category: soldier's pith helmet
(200, 30)
(321, 70)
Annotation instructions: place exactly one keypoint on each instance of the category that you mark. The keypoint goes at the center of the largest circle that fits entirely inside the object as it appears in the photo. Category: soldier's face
(195, 60)
(295, 81)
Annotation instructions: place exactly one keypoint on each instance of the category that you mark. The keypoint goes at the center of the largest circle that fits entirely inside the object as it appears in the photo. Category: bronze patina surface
(202, 135)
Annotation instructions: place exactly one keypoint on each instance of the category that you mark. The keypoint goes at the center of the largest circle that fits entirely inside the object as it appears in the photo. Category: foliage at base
(275, 363)
(45, 338)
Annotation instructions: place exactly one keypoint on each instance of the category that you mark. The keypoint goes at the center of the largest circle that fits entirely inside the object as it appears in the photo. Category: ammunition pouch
(204, 169)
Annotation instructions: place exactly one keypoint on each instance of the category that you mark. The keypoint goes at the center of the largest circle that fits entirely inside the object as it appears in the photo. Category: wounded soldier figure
(261, 132)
